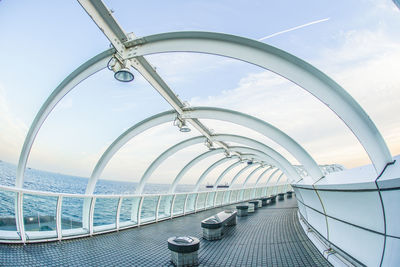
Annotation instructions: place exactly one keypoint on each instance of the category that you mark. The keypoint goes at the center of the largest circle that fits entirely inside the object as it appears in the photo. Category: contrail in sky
(294, 28)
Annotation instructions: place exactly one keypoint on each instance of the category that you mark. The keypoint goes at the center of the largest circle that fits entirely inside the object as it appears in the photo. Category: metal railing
(37, 216)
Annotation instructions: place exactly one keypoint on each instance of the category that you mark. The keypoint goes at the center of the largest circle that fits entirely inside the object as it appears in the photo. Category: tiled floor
(270, 237)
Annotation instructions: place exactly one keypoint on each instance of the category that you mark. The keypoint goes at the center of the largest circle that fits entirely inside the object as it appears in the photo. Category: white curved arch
(261, 54)
(263, 174)
(122, 140)
(240, 173)
(286, 65)
(213, 166)
(260, 146)
(263, 128)
(272, 174)
(220, 137)
(187, 167)
(230, 167)
(191, 164)
(251, 175)
(87, 69)
(205, 112)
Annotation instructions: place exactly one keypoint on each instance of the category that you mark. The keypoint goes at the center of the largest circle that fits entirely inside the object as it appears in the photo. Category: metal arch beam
(272, 174)
(163, 156)
(240, 48)
(212, 167)
(240, 173)
(258, 153)
(262, 155)
(230, 167)
(251, 175)
(122, 140)
(286, 65)
(263, 173)
(220, 114)
(279, 178)
(222, 137)
(263, 128)
(260, 146)
(196, 140)
(84, 71)
(191, 164)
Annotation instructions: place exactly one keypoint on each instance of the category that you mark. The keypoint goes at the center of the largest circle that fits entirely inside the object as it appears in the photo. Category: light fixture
(181, 123)
(124, 75)
(121, 69)
(184, 128)
(210, 144)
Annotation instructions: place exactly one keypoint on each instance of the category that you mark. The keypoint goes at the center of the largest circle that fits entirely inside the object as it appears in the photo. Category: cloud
(366, 64)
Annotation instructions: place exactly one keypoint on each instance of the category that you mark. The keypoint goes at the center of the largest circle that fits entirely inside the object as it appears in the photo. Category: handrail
(95, 218)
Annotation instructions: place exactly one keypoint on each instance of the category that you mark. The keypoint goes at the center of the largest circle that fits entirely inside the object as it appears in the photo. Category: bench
(213, 227)
(281, 196)
(253, 206)
(184, 250)
(272, 198)
(289, 194)
(264, 201)
(242, 210)
(255, 203)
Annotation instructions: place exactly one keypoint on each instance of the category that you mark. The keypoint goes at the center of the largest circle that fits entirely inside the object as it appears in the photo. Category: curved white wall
(357, 212)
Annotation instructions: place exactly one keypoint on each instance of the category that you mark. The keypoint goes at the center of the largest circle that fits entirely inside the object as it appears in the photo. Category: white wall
(355, 213)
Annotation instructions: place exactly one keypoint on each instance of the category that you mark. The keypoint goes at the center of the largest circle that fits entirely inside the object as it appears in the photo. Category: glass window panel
(201, 201)
(210, 199)
(148, 212)
(234, 196)
(179, 204)
(105, 213)
(218, 198)
(39, 215)
(247, 194)
(190, 202)
(226, 197)
(241, 195)
(71, 213)
(129, 211)
(164, 210)
(7, 211)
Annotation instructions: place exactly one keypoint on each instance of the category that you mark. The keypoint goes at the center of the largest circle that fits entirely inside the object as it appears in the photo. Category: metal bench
(281, 196)
(184, 250)
(264, 201)
(213, 227)
(289, 194)
(256, 204)
(242, 210)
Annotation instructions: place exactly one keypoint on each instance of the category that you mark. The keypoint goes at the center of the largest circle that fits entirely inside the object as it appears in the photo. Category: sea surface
(39, 211)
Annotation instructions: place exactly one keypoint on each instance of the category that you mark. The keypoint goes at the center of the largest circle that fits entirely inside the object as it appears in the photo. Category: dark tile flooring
(270, 237)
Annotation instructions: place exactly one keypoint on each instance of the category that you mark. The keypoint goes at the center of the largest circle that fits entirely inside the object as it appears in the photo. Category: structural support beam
(272, 174)
(262, 174)
(234, 179)
(87, 69)
(191, 164)
(259, 154)
(251, 175)
(222, 175)
(284, 64)
(240, 48)
(220, 137)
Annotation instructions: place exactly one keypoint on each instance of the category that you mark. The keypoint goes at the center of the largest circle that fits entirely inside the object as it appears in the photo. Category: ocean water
(40, 211)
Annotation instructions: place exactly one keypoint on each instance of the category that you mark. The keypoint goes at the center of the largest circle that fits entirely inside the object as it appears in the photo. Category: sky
(355, 43)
